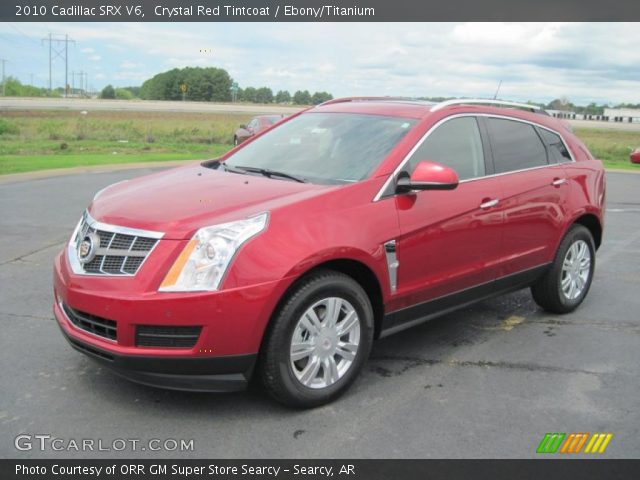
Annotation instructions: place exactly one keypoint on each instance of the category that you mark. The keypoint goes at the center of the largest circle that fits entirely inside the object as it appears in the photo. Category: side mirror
(243, 126)
(427, 176)
(635, 156)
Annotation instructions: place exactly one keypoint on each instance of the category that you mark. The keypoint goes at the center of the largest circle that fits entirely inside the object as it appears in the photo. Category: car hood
(179, 201)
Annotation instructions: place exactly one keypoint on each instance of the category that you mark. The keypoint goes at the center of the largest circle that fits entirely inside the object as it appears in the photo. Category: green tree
(250, 94)
(320, 97)
(14, 88)
(108, 92)
(123, 94)
(302, 97)
(561, 104)
(283, 96)
(264, 95)
(202, 84)
(135, 91)
(593, 109)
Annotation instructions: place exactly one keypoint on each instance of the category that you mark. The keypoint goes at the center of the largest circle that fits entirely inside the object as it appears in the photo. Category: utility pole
(4, 85)
(84, 81)
(49, 63)
(31, 76)
(58, 50)
(66, 65)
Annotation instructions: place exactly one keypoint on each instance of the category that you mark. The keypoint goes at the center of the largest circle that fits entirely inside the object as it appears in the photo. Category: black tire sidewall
(577, 233)
(331, 286)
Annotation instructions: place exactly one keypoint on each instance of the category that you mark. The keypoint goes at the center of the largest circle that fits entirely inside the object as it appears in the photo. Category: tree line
(266, 95)
(208, 84)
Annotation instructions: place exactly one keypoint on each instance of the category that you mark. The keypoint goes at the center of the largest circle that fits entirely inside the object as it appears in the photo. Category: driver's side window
(457, 144)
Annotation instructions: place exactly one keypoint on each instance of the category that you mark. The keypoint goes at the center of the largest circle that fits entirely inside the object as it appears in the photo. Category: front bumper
(233, 323)
(213, 374)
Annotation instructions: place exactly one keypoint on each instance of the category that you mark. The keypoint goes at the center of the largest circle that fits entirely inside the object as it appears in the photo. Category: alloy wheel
(325, 342)
(576, 269)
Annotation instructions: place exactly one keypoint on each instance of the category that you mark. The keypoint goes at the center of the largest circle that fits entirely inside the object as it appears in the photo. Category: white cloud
(537, 61)
(129, 65)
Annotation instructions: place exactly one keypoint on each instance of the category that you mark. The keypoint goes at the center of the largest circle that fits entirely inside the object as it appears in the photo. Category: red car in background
(347, 222)
(635, 156)
(256, 125)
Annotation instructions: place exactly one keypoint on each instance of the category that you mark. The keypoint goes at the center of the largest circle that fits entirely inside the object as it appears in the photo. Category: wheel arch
(592, 223)
(357, 270)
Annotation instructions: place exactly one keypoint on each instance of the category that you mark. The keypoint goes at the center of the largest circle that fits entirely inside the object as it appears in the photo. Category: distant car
(635, 156)
(255, 126)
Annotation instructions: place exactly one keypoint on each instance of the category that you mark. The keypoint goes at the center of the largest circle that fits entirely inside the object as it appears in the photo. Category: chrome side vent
(392, 264)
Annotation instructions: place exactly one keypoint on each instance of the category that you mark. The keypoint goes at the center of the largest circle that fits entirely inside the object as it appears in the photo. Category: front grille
(92, 323)
(161, 336)
(117, 254)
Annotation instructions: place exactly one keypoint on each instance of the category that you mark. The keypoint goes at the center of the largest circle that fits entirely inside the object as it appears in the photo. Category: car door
(450, 240)
(534, 193)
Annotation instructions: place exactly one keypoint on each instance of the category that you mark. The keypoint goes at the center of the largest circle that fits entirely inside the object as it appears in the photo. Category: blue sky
(586, 62)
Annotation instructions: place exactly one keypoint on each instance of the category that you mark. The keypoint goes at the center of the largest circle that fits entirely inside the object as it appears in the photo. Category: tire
(235, 141)
(553, 291)
(312, 378)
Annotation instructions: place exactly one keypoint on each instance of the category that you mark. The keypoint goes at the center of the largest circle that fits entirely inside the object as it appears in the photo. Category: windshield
(325, 147)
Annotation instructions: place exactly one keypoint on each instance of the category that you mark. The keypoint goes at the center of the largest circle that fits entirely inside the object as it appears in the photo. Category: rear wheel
(567, 283)
(318, 342)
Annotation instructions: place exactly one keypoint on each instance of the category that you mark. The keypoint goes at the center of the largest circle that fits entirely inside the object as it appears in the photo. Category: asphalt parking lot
(487, 381)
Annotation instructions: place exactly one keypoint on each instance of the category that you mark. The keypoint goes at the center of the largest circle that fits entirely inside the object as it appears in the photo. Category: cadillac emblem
(87, 248)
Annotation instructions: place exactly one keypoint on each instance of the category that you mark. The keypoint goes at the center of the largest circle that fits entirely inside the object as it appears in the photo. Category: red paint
(446, 242)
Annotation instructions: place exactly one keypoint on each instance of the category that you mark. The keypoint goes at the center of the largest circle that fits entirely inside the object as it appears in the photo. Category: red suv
(349, 221)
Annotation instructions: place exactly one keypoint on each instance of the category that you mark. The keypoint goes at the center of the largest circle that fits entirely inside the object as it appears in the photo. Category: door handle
(558, 181)
(489, 203)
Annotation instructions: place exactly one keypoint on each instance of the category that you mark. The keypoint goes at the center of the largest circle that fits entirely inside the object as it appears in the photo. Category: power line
(27, 37)
(59, 48)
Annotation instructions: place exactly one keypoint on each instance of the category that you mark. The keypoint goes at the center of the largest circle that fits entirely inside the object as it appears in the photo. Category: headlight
(204, 261)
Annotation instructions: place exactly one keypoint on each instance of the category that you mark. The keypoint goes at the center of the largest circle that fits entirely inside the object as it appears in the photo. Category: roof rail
(361, 99)
(484, 101)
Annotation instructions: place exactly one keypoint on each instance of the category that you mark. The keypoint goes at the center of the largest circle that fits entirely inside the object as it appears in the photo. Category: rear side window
(456, 144)
(516, 145)
(557, 149)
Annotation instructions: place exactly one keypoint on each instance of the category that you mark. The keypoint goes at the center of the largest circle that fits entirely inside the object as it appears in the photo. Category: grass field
(611, 146)
(39, 140)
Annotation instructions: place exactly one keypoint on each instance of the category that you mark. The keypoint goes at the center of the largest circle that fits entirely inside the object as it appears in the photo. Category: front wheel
(567, 282)
(319, 340)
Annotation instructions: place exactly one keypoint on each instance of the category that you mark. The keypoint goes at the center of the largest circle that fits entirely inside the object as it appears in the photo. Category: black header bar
(316, 10)
(320, 469)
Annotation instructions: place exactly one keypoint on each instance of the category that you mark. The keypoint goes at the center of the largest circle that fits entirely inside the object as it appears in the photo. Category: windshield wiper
(270, 173)
(229, 168)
